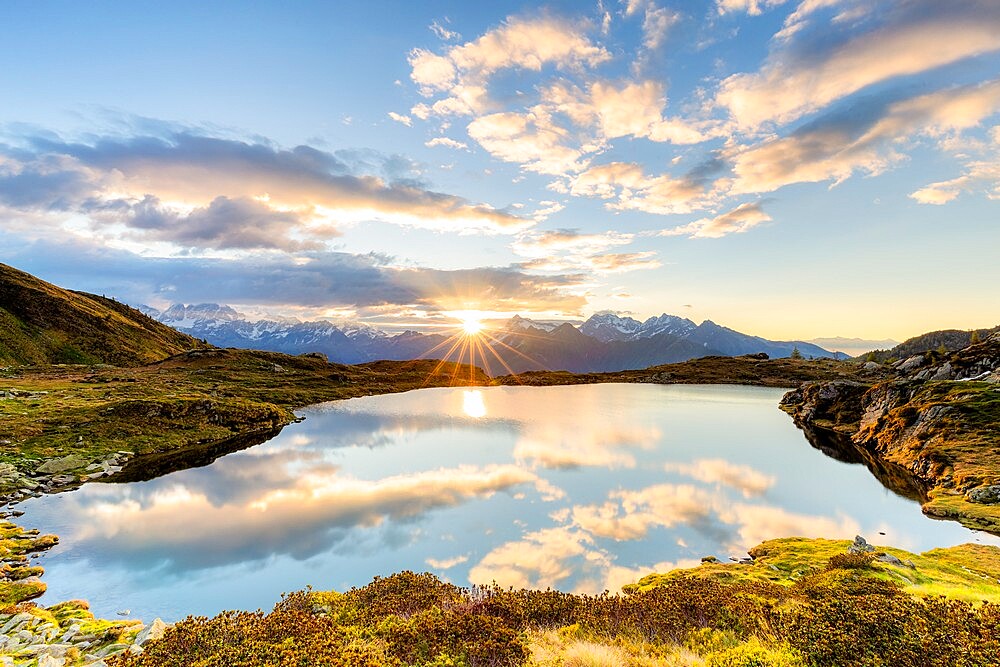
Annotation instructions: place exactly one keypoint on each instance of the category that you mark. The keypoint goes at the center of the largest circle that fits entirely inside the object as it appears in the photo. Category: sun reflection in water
(472, 403)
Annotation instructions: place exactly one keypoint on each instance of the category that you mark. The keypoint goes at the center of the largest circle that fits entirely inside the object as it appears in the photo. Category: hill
(44, 324)
(952, 340)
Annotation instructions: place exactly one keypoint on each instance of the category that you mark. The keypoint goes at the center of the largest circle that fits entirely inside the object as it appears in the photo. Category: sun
(472, 325)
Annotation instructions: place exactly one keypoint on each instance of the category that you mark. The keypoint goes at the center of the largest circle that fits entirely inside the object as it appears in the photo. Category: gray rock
(944, 372)
(890, 559)
(17, 621)
(860, 546)
(911, 364)
(63, 464)
(984, 495)
(154, 630)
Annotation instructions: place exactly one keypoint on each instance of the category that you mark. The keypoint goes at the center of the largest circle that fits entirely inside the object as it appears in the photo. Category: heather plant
(845, 614)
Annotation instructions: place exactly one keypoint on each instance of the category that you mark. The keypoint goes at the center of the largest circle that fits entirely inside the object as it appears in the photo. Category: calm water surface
(582, 488)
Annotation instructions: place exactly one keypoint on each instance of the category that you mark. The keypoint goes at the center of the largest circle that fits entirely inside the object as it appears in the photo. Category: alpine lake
(582, 488)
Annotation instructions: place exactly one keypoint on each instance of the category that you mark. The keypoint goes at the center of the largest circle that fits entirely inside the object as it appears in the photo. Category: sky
(788, 169)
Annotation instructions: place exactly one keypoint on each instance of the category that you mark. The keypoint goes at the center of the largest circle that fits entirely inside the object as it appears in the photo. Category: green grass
(965, 572)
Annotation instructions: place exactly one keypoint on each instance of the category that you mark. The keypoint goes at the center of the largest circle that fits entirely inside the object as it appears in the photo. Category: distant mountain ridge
(605, 342)
(41, 323)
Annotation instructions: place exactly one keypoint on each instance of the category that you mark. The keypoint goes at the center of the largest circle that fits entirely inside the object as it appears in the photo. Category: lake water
(581, 488)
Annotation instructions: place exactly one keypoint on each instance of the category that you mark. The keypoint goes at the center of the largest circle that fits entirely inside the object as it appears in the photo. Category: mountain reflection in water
(581, 488)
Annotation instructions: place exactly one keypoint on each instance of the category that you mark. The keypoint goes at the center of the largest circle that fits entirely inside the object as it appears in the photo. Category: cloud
(400, 118)
(297, 197)
(866, 140)
(751, 7)
(532, 140)
(447, 563)
(635, 108)
(979, 175)
(740, 219)
(540, 559)
(719, 471)
(624, 261)
(524, 43)
(446, 142)
(810, 69)
(629, 515)
(557, 443)
(312, 280)
(543, 244)
(760, 522)
(300, 518)
(442, 32)
(627, 187)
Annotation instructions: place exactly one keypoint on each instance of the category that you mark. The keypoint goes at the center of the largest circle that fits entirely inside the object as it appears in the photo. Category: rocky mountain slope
(44, 324)
(931, 431)
(604, 343)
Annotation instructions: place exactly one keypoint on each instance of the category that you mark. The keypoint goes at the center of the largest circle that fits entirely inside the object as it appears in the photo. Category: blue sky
(790, 169)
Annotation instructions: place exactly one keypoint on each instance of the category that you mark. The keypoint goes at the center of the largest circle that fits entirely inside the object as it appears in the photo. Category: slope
(44, 324)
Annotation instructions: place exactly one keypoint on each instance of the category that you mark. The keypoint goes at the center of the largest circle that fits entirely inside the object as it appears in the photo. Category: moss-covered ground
(187, 400)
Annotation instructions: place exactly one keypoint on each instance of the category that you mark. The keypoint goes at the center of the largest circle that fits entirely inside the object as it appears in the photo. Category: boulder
(860, 546)
(63, 464)
(154, 630)
(984, 495)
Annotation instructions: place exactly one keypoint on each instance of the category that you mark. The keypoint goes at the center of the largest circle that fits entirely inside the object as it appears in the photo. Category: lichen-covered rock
(985, 495)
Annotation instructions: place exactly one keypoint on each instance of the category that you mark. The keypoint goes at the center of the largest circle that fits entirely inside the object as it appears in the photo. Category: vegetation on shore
(837, 608)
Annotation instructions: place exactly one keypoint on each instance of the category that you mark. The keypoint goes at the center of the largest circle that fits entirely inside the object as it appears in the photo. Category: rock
(112, 649)
(17, 621)
(51, 661)
(910, 364)
(890, 559)
(871, 366)
(860, 546)
(63, 464)
(944, 372)
(709, 559)
(984, 495)
(154, 630)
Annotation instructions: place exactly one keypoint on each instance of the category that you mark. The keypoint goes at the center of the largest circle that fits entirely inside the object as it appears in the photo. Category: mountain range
(605, 342)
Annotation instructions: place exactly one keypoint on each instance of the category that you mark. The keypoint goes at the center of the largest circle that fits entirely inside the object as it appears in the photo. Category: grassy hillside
(44, 324)
(951, 340)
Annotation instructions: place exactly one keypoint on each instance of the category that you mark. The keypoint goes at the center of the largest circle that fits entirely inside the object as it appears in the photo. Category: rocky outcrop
(931, 433)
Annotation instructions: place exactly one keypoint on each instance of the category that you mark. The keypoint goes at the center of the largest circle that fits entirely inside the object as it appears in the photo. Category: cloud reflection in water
(584, 488)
